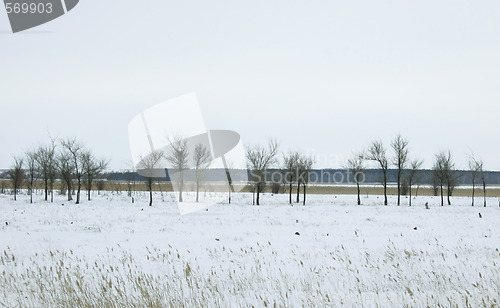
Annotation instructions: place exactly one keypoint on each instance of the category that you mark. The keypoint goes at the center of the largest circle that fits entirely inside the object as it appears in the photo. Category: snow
(242, 255)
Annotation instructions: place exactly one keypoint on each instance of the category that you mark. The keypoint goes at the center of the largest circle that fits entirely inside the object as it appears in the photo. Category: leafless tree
(400, 147)
(445, 174)
(202, 160)
(413, 175)
(301, 172)
(146, 167)
(259, 159)
(483, 181)
(65, 167)
(452, 176)
(75, 150)
(377, 153)
(177, 154)
(290, 168)
(46, 165)
(439, 173)
(474, 169)
(130, 176)
(16, 175)
(477, 172)
(92, 168)
(356, 166)
(305, 164)
(229, 165)
(31, 169)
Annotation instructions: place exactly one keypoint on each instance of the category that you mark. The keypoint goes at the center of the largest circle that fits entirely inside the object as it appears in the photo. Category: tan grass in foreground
(390, 277)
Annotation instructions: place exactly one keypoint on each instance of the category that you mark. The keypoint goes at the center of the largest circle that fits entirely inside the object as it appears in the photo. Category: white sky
(325, 77)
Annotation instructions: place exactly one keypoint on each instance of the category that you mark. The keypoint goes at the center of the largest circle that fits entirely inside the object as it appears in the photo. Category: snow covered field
(112, 253)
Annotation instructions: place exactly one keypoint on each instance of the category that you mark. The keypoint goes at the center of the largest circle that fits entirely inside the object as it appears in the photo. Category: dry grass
(258, 276)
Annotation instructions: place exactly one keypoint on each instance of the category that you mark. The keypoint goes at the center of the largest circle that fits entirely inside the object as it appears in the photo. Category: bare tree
(400, 147)
(377, 153)
(451, 176)
(130, 176)
(146, 168)
(202, 160)
(46, 165)
(65, 167)
(483, 181)
(477, 172)
(16, 175)
(475, 167)
(439, 173)
(259, 159)
(298, 171)
(177, 155)
(92, 168)
(445, 174)
(356, 166)
(75, 150)
(31, 168)
(413, 175)
(305, 164)
(290, 168)
(229, 165)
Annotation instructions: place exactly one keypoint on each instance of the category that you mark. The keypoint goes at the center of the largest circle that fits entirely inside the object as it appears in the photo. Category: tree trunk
(258, 194)
(181, 186)
(304, 201)
(449, 195)
(442, 197)
(385, 194)
(150, 197)
(52, 193)
(385, 188)
(89, 189)
(197, 191)
(409, 191)
(484, 192)
(69, 190)
(359, 193)
(253, 195)
(298, 191)
(291, 187)
(399, 187)
(78, 191)
(473, 188)
(46, 182)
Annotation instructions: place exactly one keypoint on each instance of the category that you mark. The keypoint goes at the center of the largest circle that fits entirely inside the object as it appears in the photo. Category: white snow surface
(240, 255)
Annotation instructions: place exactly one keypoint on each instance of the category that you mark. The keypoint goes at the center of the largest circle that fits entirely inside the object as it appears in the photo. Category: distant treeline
(317, 176)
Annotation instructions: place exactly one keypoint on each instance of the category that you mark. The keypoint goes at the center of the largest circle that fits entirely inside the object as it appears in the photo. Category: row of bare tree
(73, 163)
(65, 159)
(180, 157)
(295, 170)
(445, 175)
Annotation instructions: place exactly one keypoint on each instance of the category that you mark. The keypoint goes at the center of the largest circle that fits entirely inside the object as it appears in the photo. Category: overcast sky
(324, 77)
